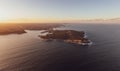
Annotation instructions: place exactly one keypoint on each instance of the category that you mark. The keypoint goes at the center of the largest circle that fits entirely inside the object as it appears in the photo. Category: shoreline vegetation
(6, 29)
(69, 36)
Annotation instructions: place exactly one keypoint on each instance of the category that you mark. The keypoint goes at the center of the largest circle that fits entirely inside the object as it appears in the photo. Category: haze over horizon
(45, 11)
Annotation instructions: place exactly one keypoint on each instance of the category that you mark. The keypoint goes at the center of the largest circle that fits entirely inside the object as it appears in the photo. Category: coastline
(69, 36)
(6, 29)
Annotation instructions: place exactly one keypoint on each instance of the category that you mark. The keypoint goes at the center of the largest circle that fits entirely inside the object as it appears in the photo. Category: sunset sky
(58, 10)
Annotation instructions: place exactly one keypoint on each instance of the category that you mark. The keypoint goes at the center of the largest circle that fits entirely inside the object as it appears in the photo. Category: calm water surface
(27, 52)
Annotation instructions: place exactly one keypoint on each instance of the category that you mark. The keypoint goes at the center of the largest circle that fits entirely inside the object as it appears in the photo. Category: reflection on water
(27, 52)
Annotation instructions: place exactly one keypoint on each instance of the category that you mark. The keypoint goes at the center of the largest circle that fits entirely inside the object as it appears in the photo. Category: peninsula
(20, 28)
(70, 36)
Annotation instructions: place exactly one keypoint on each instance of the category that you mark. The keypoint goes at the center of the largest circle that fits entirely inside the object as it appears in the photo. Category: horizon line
(59, 20)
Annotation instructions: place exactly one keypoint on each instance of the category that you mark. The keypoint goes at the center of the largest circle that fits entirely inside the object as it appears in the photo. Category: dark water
(27, 52)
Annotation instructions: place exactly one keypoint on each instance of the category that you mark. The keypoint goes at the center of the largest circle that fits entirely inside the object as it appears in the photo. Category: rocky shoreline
(69, 36)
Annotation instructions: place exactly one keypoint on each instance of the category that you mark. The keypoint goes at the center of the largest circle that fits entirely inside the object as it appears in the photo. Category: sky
(54, 10)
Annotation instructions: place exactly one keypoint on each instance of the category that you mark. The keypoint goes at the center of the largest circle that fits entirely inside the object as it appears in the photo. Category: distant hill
(20, 28)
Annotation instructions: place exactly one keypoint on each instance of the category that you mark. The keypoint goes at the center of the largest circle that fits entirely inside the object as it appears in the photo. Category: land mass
(70, 36)
(20, 28)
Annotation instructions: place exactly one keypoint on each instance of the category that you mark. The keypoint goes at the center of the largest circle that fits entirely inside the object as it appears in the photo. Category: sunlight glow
(44, 11)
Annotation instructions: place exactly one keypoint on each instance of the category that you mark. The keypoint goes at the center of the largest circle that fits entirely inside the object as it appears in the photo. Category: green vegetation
(67, 35)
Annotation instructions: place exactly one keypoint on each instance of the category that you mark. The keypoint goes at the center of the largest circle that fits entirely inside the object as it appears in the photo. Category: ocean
(28, 52)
